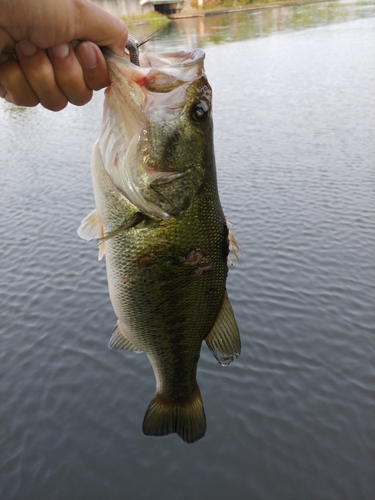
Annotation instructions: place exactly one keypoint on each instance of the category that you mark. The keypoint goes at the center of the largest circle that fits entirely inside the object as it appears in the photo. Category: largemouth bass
(162, 229)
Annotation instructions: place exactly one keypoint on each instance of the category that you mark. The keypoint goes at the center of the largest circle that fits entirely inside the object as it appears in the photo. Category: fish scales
(165, 240)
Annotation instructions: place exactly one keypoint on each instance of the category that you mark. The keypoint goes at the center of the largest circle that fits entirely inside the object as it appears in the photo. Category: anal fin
(224, 338)
(119, 340)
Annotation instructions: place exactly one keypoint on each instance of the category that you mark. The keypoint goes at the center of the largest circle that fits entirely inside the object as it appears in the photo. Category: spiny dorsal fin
(119, 340)
(224, 338)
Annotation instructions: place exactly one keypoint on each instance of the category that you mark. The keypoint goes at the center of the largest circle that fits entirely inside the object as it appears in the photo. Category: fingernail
(27, 49)
(87, 54)
(60, 51)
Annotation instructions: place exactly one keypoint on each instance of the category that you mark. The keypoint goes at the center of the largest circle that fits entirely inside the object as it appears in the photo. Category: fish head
(156, 137)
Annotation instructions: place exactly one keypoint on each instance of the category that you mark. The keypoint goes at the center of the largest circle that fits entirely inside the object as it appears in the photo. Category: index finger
(96, 25)
(7, 42)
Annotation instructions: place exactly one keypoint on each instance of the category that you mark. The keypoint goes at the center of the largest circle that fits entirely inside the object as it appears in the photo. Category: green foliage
(227, 4)
(152, 17)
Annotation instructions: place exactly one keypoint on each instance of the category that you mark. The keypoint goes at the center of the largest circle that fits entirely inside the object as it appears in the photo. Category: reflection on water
(237, 26)
(292, 417)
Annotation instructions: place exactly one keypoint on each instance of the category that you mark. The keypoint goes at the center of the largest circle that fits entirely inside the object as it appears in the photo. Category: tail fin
(186, 418)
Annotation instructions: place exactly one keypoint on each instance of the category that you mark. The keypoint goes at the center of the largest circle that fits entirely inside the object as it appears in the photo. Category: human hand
(49, 51)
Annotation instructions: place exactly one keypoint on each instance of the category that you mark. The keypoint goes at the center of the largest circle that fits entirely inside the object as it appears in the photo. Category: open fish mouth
(157, 72)
(147, 138)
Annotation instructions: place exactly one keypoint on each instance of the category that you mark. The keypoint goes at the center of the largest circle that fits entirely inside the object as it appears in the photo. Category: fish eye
(199, 112)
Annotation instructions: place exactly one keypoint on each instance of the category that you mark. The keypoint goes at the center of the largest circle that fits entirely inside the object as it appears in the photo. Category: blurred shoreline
(226, 10)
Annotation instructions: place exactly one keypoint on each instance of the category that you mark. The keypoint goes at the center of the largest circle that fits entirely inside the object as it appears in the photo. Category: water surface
(293, 417)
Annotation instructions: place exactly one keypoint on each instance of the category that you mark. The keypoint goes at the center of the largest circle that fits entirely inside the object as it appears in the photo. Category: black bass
(162, 229)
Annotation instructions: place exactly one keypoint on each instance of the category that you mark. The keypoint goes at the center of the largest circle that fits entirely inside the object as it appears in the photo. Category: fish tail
(186, 418)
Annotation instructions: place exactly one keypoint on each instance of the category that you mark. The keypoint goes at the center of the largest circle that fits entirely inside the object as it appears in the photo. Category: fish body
(163, 230)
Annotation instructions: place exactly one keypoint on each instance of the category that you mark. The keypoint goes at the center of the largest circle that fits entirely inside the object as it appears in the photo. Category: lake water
(293, 417)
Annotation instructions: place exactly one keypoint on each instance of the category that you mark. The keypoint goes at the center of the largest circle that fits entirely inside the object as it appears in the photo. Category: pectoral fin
(224, 338)
(137, 218)
(92, 228)
(119, 340)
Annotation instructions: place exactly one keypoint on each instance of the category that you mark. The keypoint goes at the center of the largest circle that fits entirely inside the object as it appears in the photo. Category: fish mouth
(138, 140)
(156, 72)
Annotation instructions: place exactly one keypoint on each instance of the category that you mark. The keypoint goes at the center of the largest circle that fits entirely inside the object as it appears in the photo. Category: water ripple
(292, 417)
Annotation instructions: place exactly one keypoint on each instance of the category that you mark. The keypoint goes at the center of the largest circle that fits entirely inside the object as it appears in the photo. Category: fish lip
(107, 52)
(183, 58)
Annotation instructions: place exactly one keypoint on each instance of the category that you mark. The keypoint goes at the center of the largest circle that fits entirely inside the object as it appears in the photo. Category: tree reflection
(241, 25)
